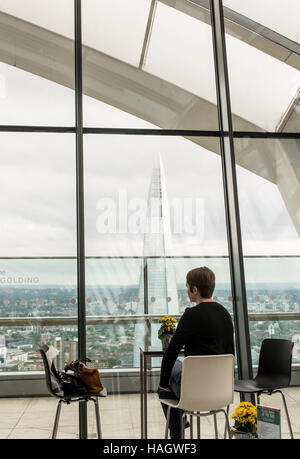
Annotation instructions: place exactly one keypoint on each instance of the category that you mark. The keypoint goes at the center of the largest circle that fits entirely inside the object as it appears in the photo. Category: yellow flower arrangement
(245, 417)
(167, 328)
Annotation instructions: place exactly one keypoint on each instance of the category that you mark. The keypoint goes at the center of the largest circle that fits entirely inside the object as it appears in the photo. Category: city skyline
(112, 345)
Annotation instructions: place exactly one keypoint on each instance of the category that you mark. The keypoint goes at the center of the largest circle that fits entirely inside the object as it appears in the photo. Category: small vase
(238, 435)
(165, 343)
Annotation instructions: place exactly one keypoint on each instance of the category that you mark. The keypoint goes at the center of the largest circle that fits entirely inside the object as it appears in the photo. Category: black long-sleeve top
(205, 329)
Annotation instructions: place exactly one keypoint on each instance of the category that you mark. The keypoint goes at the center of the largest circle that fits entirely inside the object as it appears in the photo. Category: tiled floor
(26, 418)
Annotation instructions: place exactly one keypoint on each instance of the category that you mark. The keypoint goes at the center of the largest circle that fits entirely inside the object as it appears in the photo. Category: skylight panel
(181, 52)
(278, 15)
(116, 27)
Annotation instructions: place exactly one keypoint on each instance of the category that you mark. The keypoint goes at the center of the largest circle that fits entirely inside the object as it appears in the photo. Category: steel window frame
(149, 132)
(234, 236)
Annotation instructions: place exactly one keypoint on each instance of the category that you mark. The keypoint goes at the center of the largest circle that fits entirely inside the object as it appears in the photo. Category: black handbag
(71, 385)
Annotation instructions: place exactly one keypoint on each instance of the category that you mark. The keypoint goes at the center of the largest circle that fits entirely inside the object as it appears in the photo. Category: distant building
(296, 349)
(158, 271)
(16, 354)
(59, 344)
(3, 349)
(73, 350)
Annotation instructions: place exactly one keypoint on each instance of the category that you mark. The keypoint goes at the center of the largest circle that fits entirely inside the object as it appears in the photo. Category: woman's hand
(167, 389)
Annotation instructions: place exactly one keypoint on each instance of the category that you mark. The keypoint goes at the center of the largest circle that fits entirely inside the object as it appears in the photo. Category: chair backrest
(207, 382)
(275, 363)
(50, 373)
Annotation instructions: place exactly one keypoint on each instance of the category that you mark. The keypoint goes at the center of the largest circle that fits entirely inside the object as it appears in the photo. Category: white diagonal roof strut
(148, 33)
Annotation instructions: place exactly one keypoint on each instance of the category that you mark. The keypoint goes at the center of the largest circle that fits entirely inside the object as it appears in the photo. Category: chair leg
(216, 426)
(227, 424)
(287, 414)
(183, 420)
(56, 421)
(198, 427)
(226, 429)
(168, 420)
(257, 399)
(191, 427)
(99, 432)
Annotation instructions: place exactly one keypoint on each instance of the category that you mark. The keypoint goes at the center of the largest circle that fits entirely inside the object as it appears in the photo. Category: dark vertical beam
(80, 208)
(242, 335)
(147, 341)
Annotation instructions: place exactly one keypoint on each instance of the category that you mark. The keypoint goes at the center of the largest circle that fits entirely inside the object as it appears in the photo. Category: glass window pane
(36, 63)
(118, 192)
(263, 89)
(37, 179)
(268, 179)
(27, 99)
(268, 186)
(38, 275)
(161, 202)
(174, 86)
(263, 72)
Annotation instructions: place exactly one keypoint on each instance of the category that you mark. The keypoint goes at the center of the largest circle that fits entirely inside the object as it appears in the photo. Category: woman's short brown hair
(204, 279)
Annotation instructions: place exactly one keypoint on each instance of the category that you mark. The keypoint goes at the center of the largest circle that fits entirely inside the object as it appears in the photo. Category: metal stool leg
(168, 420)
(226, 424)
(191, 426)
(56, 421)
(287, 414)
(99, 432)
(216, 426)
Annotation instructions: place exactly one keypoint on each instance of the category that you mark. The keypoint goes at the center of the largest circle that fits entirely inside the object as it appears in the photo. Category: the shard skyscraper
(157, 287)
